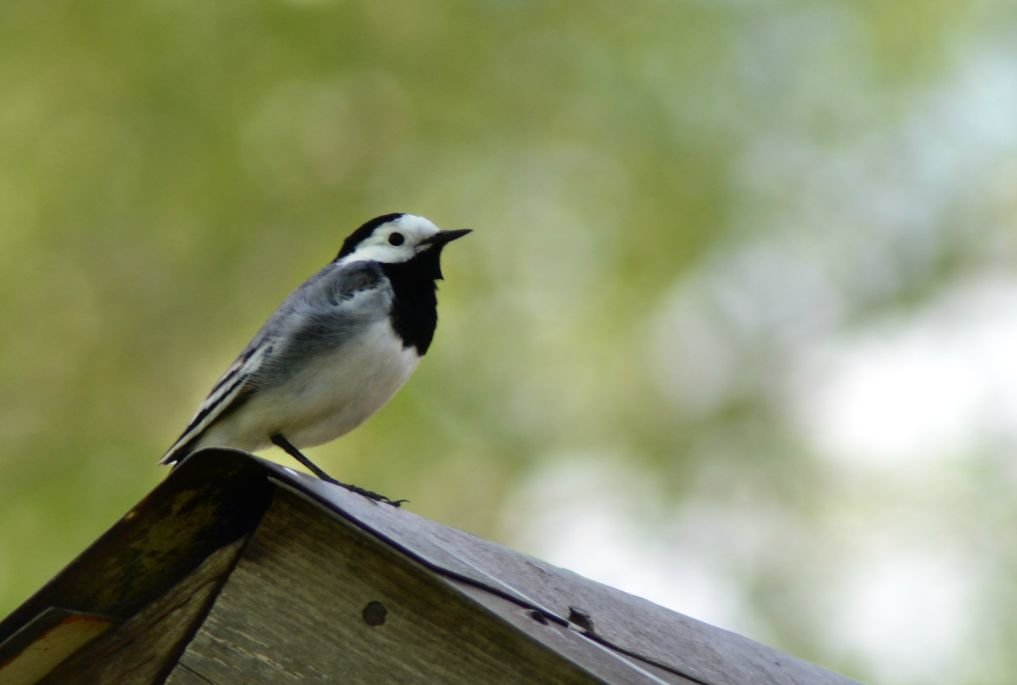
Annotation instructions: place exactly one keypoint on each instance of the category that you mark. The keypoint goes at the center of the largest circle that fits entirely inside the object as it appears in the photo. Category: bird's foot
(280, 440)
(369, 494)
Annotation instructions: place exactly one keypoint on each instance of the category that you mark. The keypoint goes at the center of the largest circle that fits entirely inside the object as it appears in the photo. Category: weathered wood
(632, 625)
(335, 588)
(316, 602)
(570, 643)
(204, 504)
(141, 650)
(183, 675)
(44, 642)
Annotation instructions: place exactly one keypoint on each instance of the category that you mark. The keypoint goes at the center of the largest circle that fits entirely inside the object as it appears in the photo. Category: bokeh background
(736, 331)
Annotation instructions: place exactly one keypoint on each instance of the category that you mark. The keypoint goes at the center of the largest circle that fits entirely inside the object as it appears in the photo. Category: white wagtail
(335, 351)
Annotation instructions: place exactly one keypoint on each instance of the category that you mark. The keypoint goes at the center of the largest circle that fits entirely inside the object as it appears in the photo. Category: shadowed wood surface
(140, 651)
(167, 535)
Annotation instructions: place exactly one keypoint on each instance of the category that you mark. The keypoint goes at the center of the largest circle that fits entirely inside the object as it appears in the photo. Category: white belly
(320, 404)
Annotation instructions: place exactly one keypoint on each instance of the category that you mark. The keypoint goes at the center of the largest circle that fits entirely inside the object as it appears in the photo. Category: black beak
(442, 238)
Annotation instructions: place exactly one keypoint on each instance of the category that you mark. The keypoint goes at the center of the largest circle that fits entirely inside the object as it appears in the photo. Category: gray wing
(311, 320)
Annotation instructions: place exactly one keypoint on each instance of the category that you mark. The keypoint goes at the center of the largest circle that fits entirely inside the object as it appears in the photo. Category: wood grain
(293, 610)
(631, 625)
(141, 650)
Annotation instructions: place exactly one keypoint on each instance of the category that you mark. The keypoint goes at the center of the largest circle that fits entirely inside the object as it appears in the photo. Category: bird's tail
(178, 451)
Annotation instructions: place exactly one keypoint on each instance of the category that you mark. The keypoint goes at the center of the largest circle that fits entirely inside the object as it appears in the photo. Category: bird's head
(398, 239)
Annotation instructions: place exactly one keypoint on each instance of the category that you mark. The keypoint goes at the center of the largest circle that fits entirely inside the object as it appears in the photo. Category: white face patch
(393, 242)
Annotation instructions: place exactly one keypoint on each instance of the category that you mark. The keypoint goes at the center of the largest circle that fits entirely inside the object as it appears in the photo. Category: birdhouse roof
(218, 498)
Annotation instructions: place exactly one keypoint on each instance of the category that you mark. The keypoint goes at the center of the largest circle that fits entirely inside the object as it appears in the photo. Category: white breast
(329, 399)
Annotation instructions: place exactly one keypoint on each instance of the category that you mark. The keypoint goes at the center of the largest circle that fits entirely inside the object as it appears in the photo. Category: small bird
(334, 351)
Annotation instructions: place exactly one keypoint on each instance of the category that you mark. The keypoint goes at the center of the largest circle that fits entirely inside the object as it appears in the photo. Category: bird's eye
(396, 239)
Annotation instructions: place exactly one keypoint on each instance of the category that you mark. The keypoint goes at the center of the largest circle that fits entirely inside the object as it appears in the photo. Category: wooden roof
(218, 498)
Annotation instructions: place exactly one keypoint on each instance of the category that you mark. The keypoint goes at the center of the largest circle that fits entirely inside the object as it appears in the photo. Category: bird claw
(377, 497)
(369, 494)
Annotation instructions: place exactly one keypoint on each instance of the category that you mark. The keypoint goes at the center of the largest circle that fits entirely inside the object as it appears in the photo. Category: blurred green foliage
(169, 171)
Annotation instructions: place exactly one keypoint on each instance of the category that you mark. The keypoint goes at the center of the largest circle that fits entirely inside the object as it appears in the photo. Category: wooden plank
(142, 649)
(572, 644)
(203, 504)
(311, 601)
(632, 625)
(182, 675)
(47, 640)
(217, 496)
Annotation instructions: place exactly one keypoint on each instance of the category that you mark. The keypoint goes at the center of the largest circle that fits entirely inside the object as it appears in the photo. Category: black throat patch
(415, 302)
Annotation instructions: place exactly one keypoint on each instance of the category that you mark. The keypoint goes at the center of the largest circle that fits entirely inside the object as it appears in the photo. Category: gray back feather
(321, 316)
(317, 318)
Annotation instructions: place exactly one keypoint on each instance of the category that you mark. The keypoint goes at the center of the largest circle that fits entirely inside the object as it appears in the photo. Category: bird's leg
(288, 447)
(280, 441)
